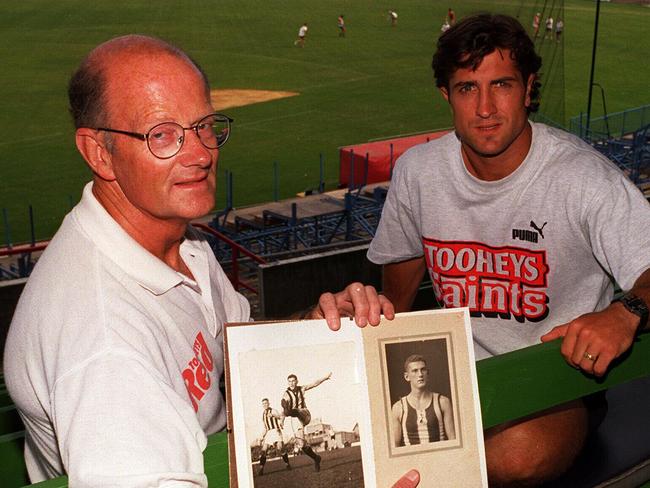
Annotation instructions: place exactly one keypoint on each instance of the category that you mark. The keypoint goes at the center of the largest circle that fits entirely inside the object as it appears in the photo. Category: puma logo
(538, 229)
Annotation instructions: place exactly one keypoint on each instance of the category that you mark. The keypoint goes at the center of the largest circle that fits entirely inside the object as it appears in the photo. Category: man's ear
(406, 376)
(93, 149)
(445, 93)
(529, 88)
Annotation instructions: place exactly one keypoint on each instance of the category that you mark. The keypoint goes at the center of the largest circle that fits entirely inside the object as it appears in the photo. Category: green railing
(511, 386)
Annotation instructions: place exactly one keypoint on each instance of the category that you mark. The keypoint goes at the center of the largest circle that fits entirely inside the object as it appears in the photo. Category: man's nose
(194, 152)
(485, 104)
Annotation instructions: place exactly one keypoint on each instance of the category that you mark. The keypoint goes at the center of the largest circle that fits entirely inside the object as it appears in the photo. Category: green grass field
(375, 83)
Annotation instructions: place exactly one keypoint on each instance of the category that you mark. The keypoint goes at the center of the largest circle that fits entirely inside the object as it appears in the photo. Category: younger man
(526, 225)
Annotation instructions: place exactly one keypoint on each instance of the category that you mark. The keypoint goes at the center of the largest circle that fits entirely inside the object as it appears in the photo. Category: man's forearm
(401, 282)
(322, 380)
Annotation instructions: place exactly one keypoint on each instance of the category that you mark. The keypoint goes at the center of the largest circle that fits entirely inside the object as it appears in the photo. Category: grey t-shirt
(525, 253)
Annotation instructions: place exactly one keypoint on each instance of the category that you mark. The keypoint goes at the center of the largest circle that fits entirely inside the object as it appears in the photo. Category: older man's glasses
(166, 140)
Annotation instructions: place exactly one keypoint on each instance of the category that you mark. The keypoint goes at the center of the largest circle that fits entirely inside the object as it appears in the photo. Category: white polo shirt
(114, 359)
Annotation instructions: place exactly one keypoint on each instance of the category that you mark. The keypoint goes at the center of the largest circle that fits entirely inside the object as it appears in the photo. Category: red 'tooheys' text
(503, 280)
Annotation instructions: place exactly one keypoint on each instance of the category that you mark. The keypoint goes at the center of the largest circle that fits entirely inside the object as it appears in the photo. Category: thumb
(555, 333)
(410, 480)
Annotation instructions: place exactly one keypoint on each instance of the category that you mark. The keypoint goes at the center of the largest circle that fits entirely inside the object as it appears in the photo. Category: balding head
(87, 87)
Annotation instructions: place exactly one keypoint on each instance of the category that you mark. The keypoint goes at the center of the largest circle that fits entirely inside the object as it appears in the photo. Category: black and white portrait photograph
(420, 394)
(424, 402)
(302, 406)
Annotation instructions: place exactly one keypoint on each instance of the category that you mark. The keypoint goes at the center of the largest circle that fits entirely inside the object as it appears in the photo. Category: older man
(114, 354)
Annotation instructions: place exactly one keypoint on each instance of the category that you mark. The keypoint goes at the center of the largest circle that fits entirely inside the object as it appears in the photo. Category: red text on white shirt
(197, 373)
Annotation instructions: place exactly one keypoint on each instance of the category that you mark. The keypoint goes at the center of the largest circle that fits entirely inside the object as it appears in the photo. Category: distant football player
(340, 23)
(392, 15)
(302, 33)
(272, 421)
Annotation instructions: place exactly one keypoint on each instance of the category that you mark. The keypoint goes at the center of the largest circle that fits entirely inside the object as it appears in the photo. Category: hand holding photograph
(354, 408)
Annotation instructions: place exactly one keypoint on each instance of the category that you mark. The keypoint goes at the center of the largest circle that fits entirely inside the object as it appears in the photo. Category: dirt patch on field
(227, 98)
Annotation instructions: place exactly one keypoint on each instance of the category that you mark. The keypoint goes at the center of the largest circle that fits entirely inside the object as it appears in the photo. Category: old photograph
(424, 403)
(356, 408)
(301, 406)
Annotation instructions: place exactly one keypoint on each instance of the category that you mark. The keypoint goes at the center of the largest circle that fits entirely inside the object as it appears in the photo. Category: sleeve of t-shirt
(617, 220)
(398, 235)
(119, 424)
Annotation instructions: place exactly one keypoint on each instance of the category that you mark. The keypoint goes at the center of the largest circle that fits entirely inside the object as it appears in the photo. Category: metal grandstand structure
(301, 224)
(18, 261)
(624, 137)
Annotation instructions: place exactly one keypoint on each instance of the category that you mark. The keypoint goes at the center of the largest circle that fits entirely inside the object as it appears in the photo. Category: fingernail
(331, 323)
(412, 475)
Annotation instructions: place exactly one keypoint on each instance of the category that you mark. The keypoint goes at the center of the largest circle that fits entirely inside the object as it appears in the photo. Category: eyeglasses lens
(165, 139)
(213, 131)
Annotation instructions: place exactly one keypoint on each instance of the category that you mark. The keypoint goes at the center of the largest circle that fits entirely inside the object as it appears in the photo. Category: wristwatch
(638, 307)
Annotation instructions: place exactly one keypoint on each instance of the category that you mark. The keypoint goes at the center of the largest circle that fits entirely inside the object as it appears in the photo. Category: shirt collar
(117, 245)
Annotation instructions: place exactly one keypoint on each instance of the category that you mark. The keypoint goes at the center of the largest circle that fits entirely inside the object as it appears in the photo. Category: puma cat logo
(538, 229)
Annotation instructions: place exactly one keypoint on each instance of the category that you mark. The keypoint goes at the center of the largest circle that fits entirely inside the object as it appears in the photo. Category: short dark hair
(466, 44)
(414, 358)
(265, 399)
(292, 376)
(87, 86)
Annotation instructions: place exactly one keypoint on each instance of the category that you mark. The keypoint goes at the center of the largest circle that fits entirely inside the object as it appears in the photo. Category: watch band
(638, 307)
